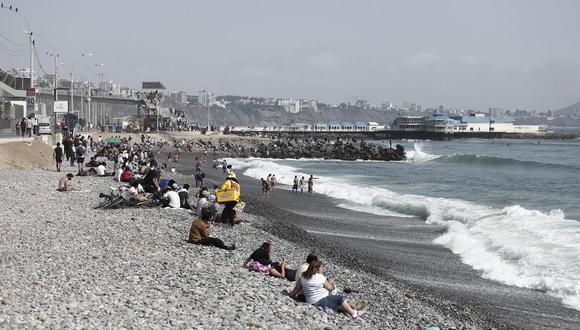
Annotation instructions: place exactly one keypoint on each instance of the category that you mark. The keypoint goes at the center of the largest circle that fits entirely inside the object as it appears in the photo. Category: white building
(290, 105)
(206, 98)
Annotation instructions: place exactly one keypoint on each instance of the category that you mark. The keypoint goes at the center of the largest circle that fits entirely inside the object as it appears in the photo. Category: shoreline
(509, 306)
(285, 223)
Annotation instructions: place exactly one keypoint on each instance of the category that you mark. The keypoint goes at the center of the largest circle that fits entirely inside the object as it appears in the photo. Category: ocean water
(510, 208)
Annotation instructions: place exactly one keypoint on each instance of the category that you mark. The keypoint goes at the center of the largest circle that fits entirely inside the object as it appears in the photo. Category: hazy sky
(460, 53)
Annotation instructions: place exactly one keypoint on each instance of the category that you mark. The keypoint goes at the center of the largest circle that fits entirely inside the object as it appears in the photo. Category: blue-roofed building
(320, 127)
(346, 126)
(334, 126)
(360, 126)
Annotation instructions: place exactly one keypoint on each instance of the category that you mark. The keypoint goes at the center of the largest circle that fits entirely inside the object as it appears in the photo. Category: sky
(458, 53)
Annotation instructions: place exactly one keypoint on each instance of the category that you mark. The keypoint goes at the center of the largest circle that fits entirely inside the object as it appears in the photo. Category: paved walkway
(7, 137)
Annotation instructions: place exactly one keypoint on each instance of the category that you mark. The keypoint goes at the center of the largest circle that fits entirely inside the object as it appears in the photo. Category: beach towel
(258, 267)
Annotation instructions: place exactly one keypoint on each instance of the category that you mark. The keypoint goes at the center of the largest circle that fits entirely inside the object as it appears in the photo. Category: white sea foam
(417, 155)
(513, 245)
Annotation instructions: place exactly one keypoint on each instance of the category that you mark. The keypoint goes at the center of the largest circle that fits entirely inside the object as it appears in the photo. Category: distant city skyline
(469, 55)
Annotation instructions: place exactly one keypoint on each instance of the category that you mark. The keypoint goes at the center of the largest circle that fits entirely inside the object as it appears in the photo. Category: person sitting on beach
(201, 201)
(101, 170)
(171, 197)
(297, 293)
(260, 262)
(127, 175)
(151, 181)
(93, 162)
(64, 184)
(317, 290)
(184, 197)
(135, 192)
(201, 229)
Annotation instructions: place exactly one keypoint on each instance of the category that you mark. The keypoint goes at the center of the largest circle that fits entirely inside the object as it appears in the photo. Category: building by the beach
(476, 123)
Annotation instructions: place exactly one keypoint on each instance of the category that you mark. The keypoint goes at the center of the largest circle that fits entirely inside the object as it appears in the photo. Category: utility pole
(31, 59)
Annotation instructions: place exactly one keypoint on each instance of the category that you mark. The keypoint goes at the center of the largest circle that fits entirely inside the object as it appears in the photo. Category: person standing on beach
(295, 184)
(67, 144)
(273, 182)
(57, 155)
(80, 153)
(225, 166)
(311, 183)
(301, 183)
(228, 214)
(198, 164)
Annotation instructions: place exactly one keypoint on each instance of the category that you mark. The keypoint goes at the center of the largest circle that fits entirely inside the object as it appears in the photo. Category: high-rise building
(206, 98)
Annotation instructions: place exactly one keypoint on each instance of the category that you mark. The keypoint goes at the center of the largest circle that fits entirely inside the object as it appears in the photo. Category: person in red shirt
(127, 175)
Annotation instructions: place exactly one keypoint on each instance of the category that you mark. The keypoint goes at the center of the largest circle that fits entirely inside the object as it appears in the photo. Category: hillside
(253, 115)
(570, 111)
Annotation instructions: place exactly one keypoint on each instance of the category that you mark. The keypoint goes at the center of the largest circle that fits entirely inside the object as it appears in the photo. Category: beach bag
(227, 195)
(257, 267)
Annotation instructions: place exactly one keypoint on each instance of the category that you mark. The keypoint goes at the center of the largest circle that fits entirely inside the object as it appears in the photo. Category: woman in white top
(316, 290)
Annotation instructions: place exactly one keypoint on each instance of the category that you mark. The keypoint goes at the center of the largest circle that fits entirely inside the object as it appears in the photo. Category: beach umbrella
(113, 140)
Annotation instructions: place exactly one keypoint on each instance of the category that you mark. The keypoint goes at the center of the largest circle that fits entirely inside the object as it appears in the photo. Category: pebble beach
(66, 265)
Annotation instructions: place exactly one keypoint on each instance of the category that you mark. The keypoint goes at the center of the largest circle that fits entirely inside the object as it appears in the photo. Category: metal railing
(18, 83)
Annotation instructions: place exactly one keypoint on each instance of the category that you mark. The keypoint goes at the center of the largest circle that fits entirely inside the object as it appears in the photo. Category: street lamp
(55, 57)
(72, 84)
(89, 100)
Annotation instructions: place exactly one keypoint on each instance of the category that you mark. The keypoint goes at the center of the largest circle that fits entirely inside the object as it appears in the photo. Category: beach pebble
(66, 265)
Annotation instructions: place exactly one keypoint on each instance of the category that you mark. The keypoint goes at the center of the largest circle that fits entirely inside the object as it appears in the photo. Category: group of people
(25, 126)
(268, 184)
(299, 184)
(137, 168)
(311, 285)
(74, 148)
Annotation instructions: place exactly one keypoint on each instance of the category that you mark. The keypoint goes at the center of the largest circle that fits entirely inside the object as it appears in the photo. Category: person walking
(57, 155)
(23, 124)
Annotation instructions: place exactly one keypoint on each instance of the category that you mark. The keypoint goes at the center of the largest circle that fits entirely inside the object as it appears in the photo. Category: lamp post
(89, 99)
(72, 84)
(55, 57)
